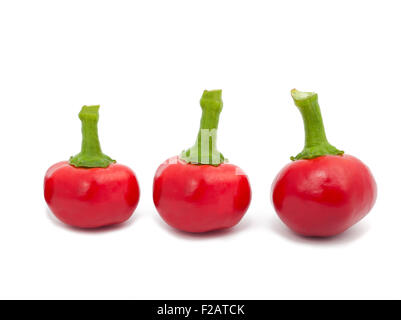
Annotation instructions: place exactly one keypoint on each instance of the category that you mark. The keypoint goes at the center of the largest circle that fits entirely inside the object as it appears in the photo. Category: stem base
(85, 161)
(191, 155)
(317, 151)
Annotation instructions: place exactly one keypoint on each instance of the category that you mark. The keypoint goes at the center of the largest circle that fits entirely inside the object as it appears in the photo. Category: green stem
(316, 143)
(205, 149)
(91, 155)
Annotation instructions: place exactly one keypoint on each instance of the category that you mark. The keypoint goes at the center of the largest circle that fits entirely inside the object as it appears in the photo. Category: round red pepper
(91, 190)
(199, 191)
(323, 192)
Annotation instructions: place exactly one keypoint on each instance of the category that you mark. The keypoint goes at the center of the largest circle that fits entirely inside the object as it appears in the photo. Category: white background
(146, 63)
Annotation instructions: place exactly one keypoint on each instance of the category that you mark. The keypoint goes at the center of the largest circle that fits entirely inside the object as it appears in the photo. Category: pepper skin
(91, 197)
(91, 190)
(323, 192)
(323, 196)
(200, 198)
(199, 191)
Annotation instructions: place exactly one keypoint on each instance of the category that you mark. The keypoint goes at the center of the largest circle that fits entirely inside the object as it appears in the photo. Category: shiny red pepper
(323, 192)
(91, 190)
(199, 191)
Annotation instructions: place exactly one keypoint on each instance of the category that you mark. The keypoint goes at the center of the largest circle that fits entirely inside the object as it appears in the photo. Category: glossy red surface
(90, 198)
(200, 198)
(323, 196)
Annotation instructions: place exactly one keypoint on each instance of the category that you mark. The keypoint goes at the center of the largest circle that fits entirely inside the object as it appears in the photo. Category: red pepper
(91, 190)
(323, 192)
(199, 191)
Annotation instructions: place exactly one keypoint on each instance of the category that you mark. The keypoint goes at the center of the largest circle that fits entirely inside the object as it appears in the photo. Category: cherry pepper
(199, 190)
(323, 192)
(91, 190)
